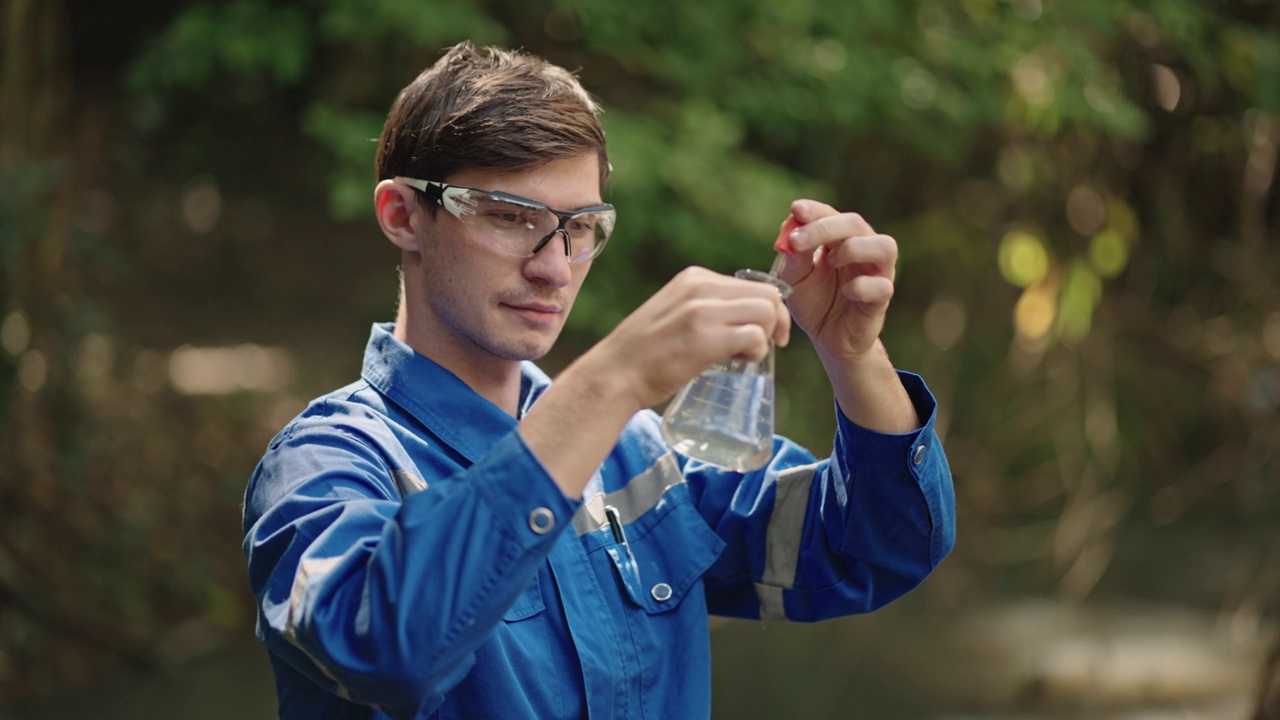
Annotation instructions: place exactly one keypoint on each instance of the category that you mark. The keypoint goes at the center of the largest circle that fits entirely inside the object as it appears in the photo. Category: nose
(550, 263)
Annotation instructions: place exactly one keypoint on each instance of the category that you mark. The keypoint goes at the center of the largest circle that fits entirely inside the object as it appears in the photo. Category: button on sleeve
(525, 499)
(542, 520)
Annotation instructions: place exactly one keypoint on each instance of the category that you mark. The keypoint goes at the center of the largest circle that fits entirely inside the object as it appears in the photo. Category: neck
(496, 380)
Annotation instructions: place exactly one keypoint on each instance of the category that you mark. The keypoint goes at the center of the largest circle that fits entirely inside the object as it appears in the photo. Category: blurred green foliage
(1084, 195)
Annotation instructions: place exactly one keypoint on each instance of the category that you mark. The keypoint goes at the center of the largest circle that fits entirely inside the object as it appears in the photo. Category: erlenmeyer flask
(725, 415)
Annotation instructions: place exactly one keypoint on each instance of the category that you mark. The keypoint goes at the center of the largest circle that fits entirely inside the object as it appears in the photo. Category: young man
(455, 536)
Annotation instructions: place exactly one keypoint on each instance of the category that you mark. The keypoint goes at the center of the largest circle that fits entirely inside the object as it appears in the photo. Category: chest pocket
(662, 553)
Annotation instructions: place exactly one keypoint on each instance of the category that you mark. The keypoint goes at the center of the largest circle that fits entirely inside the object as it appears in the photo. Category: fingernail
(797, 239)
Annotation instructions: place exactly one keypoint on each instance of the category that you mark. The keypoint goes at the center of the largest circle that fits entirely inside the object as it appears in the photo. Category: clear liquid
(723, 418)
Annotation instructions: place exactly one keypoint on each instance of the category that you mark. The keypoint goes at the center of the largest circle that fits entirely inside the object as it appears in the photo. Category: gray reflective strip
(770, 602)
(783, 536)
(307, 570)
(640, 495)
(408, 483)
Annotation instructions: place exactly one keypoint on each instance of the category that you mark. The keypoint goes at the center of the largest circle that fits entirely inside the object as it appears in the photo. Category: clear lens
(517, 229)
(588, 232)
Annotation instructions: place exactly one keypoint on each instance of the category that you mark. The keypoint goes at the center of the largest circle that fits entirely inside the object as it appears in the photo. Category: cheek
(458, 276)
(441, 258)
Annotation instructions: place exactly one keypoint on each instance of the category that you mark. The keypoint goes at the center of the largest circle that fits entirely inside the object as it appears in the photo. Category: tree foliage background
(1084, 195)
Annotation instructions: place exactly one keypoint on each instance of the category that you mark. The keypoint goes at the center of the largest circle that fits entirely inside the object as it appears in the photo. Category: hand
(842, 273)
(699, 318)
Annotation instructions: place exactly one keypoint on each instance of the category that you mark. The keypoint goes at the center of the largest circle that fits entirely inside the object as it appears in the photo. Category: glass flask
(725, 415)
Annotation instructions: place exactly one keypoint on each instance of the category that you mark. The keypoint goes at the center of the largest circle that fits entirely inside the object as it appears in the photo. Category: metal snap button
(542, 520)
(661, 592)
(917, 457)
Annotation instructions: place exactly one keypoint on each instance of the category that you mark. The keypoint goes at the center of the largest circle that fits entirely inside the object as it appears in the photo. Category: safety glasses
(520, 226)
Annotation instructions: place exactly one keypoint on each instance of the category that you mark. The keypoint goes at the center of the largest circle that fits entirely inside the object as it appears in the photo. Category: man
(455, 536)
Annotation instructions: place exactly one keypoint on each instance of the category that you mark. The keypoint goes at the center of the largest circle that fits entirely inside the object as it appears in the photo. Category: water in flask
(725, 418)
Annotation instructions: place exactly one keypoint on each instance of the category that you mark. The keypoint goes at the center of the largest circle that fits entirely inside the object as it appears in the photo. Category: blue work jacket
(411, 558)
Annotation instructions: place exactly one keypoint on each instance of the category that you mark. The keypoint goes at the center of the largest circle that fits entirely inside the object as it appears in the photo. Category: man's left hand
(842, 273)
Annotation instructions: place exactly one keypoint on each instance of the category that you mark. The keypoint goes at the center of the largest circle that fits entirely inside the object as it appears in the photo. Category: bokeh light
(1023, 258)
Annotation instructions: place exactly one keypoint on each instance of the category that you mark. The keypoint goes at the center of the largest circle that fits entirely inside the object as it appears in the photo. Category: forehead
(564, 184)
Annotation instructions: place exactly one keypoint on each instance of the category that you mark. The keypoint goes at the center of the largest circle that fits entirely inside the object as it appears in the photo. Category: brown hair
(492, 109)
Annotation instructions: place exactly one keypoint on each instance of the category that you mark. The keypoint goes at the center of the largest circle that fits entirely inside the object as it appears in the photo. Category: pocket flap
(529, 603)
(672, 547)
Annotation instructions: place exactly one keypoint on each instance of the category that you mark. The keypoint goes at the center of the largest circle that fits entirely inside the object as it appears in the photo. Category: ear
(394, 204)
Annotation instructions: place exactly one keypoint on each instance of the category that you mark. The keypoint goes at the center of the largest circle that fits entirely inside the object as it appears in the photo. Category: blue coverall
(412, 559)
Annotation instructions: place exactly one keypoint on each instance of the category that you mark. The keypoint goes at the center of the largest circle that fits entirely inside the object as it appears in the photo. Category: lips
(536, 307)
(536, 313)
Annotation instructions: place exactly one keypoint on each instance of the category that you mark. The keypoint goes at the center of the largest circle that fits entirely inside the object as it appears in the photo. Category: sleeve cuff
(528, 502)
(877, 450)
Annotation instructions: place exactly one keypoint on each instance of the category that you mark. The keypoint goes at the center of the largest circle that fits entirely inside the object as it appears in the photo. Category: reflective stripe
(771, 607)
(640, 495)
(408, 483)
(782, 538)
(307, 570)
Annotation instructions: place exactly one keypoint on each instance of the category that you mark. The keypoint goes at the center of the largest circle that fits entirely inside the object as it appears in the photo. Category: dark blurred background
(1086, 202)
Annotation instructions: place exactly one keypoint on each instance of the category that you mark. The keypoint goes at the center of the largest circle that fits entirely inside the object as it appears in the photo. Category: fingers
(697, 319)
(843, 274)
(730, 316)
(701, 283)
(848, 239)
(752, 340)
(708, 313)
(827, 229)
(807, 211)
(698, 282)
(873, 254)
(716, 308)
(872, 293)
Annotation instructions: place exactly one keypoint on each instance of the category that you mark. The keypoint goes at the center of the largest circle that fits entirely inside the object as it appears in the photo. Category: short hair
(492, 109)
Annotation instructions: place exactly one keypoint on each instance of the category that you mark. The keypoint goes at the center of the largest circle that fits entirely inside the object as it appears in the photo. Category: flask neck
(784, 288)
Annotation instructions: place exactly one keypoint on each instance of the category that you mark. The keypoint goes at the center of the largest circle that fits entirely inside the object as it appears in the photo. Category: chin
(518, 343)
(530, 351)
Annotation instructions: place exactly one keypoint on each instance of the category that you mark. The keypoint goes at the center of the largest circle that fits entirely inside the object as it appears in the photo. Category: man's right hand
(699, 318)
